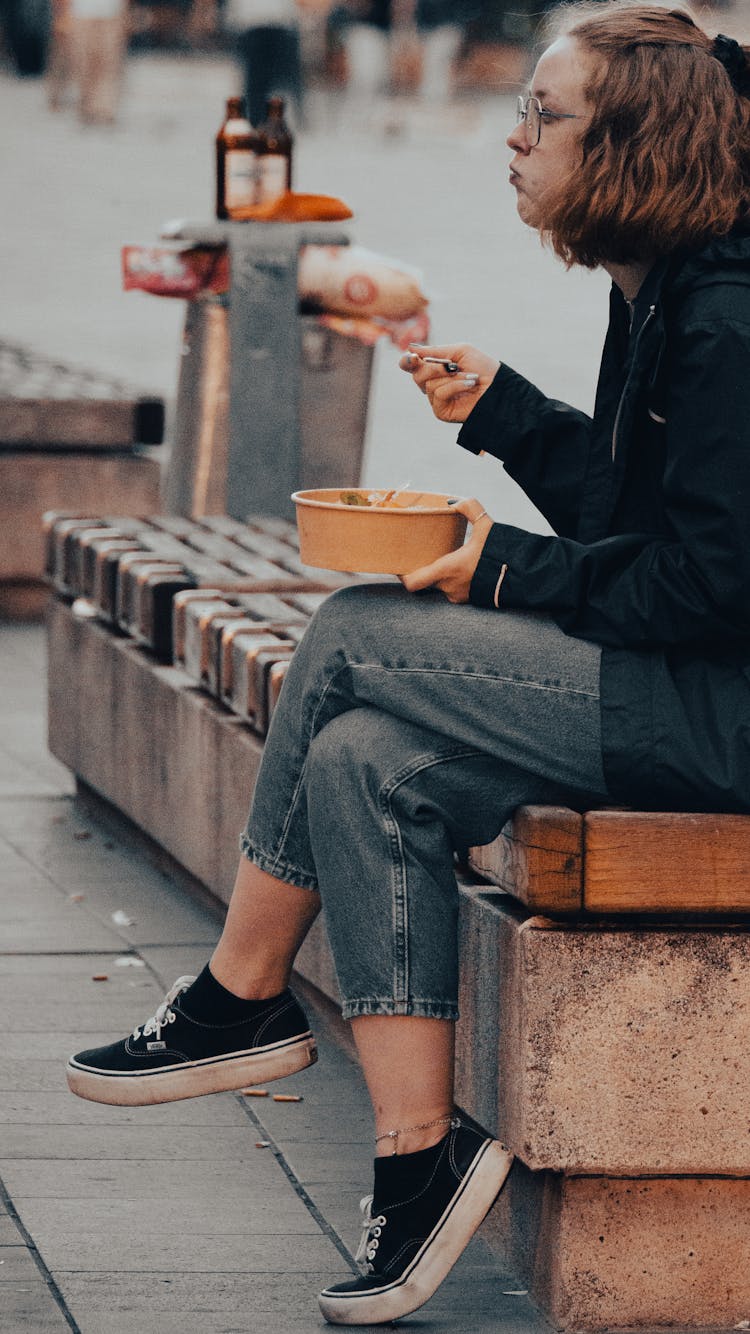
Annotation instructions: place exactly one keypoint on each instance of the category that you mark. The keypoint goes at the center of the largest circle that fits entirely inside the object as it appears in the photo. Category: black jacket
(651, 504)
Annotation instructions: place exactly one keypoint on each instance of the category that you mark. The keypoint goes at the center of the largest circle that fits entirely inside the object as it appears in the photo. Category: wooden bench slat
(537, 858)
(644, 861)
(557, 862)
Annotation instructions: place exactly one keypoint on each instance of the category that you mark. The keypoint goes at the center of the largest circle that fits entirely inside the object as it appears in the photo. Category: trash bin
(333, 374)
(268, 399)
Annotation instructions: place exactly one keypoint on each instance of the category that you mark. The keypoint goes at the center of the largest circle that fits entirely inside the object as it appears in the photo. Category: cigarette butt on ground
(262, 1143)
(287, 1097)
(100, 977)
(254, 1093)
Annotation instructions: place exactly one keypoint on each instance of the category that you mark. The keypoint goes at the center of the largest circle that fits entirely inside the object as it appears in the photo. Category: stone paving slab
(16, 1264)
(57, 1108)
(116, 1250)
(210, 1180)
(181, 1145)
(9, 1234)
(257, 1295)
(272, 1214)
(29, 1306)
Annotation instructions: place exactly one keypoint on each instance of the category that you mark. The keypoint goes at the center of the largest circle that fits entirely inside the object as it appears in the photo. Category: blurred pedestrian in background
(267, 41)
(398, 45)
(88, 54)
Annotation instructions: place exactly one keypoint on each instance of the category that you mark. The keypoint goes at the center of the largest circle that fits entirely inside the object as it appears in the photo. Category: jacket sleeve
(543, 444)
(641, 590)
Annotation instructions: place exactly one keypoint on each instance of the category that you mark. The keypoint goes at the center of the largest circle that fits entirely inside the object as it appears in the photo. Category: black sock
(399, 1174)
(207, 1001)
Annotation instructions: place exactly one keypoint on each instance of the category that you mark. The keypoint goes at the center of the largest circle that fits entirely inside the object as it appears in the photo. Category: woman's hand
(452, 394)
(453, 573)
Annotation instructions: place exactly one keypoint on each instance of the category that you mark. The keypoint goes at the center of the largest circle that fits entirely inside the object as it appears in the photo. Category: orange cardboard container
(373, 539)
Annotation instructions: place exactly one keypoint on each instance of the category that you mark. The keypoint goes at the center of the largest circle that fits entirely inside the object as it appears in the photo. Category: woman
(608, 662)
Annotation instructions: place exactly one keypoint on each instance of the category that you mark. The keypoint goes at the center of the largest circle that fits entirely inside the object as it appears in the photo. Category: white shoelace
(164, 1015)
(371, 1230)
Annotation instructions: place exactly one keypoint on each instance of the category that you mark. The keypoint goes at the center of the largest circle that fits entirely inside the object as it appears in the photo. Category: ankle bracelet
(450, 1119)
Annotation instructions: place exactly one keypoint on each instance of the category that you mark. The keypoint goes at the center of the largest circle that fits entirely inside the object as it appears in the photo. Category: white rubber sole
(450, 1236)
(193, 1081)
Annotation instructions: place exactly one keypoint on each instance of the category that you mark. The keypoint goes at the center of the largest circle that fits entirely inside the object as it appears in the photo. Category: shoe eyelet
(381, 1220)
(376, 1231)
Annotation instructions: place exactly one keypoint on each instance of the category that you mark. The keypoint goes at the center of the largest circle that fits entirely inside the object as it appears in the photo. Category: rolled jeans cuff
(281, 870)
(416, 1008)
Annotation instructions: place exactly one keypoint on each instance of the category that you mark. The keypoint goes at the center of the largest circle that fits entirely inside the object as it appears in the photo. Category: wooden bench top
(556, 861)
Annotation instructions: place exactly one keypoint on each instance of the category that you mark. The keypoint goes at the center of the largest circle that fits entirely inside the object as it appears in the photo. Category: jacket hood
(725, 259)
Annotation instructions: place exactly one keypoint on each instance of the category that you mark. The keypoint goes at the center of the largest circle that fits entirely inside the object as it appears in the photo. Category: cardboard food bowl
(369, 539)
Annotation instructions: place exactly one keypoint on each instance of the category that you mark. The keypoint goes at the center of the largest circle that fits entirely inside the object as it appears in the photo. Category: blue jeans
(408, 729)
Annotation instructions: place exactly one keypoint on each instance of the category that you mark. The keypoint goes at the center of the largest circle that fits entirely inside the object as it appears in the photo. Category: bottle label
(240, 178)
(273, 168)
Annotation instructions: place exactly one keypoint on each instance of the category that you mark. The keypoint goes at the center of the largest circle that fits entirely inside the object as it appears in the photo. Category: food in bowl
(366, 531)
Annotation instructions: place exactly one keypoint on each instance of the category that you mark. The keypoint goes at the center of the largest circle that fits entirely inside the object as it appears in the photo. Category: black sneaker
(173, 1056)
(425, 1209)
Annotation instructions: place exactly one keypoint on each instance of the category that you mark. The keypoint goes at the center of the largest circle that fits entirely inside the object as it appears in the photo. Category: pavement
(171, 1218)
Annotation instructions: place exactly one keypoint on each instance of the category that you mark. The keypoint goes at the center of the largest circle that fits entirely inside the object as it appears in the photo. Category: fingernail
(470, 379)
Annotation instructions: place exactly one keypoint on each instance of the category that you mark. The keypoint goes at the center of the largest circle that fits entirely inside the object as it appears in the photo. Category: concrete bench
(605, 988)
(67, 438)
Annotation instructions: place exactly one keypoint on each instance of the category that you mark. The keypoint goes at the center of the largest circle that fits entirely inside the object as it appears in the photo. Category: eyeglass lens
(528, 111)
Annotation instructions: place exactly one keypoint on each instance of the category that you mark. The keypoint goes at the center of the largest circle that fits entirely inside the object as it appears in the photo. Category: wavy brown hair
(666, 155)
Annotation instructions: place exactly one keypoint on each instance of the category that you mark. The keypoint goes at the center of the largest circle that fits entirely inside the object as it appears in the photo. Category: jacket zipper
(626, 386)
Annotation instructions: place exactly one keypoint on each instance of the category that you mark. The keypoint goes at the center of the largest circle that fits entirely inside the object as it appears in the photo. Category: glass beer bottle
(237, 146)
(275, 153)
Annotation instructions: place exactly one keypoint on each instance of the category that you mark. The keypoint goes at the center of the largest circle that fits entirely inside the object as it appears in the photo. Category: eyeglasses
(533, 113)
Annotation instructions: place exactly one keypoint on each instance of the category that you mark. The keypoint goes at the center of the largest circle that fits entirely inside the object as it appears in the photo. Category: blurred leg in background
(99, 37)
(61, 60)
(440, 48)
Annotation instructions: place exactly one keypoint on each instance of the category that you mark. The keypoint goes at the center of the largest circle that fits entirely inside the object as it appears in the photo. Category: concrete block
(603, 1253)
(587, 1044)
(166, 755)
(91, 423)
(30, 484)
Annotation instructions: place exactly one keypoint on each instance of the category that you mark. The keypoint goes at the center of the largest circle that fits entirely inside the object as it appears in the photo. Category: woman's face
(558, 83)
